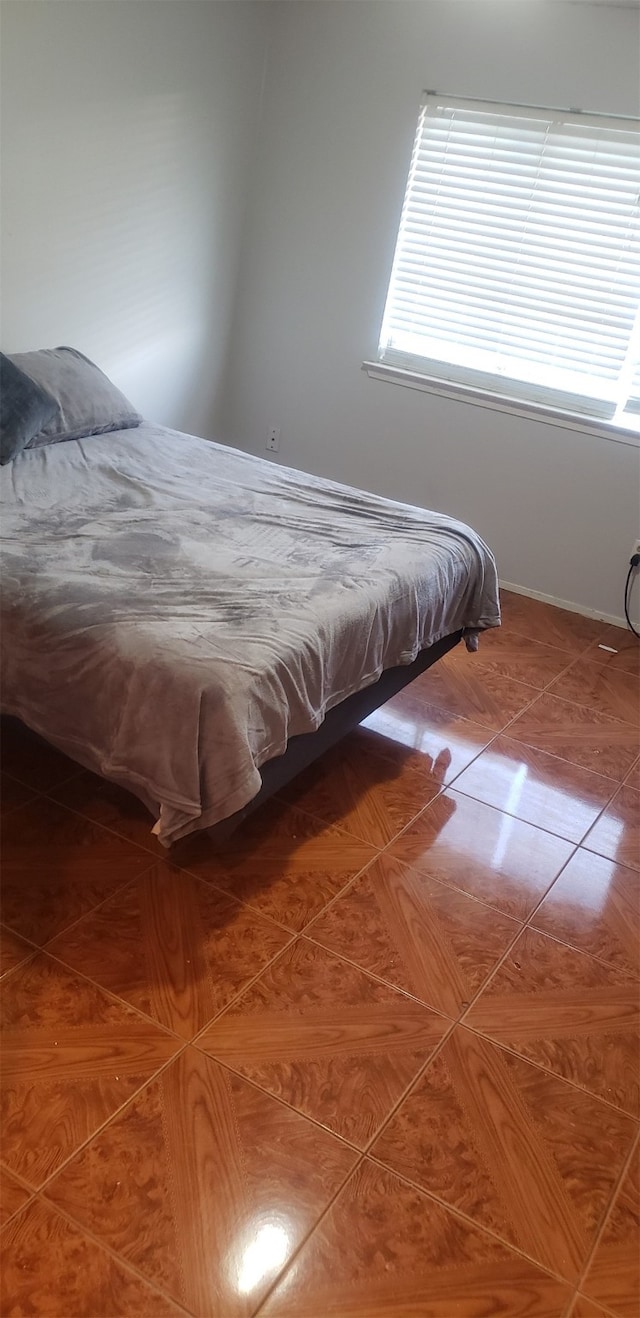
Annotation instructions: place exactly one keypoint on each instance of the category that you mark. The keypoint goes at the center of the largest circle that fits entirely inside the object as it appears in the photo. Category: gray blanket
(173, 611)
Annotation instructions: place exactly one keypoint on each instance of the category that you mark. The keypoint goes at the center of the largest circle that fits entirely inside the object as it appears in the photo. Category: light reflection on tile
(205, 1184)
(537, 787)
(384, 1250)
(407, 720)
(617, 832)
(595, 906)
(492, 856)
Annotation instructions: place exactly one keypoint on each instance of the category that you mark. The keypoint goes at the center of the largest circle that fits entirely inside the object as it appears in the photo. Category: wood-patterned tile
(609, 690)
(409, 721)
(633, 777)
(283, 862)
(578, 733)
(13, 793)
(569, 1013)
(384, 1250)
(369, 795)
(538, 788)
(489, 698)
(544, 622)
(106, 803)
(626, 648)
(492, 856)
(585, 1309)
(512, 1147)
(617, 832)
(323, 1036)
(13, 950)
(614, 1275)
(507, 654)
(205, 1184)
(172, 946)
(595, 906)
(13, 1195)
(70, 1057)
(432, 941)
(31, 760)
(53, 1268)
(57, 865)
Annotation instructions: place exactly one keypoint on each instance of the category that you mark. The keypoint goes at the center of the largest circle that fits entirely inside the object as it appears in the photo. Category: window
(517, 265)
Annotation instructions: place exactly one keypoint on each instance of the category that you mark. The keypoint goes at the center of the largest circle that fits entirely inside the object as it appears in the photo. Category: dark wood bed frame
(303, 750)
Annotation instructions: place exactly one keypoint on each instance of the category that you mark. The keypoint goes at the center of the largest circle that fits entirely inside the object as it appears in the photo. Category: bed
(196, 624)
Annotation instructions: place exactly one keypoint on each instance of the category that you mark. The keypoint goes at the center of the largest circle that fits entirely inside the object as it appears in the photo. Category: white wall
(560, 508)
(128, 136)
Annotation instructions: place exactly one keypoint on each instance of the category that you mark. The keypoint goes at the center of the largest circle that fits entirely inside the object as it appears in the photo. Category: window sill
(480, 398)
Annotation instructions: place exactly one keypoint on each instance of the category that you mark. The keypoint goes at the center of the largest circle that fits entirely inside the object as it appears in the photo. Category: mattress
(174, 610)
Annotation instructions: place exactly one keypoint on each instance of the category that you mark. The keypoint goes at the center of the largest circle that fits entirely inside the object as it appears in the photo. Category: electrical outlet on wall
(273, 439)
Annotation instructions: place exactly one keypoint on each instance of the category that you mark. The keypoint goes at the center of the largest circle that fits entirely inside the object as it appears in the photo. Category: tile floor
(375, 1059)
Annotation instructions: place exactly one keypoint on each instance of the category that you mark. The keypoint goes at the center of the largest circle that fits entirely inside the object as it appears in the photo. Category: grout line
(606, 1215)
(279, 924)
(153, 1020)
(338, 897)
(44, 947)
(366, 1154)
(123, 1003)
(585, 839)
(525, 925)
(284, 1102)
(66, 928)
(298, 935)
(630, 974)
(131, 1098)
(615, 718)
(108, 828)
(415, 1080)
(597, 1304)
(563, 838)
(555, 1075)
(407, 993)
(471, 1221)
(24, 1185)
(40, 791)
(32, 949)
(379, 979)
(121, 1259)
(245, 989)
(290, 1262)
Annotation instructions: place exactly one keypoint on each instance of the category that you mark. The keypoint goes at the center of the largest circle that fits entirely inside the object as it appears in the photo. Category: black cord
(634, 563)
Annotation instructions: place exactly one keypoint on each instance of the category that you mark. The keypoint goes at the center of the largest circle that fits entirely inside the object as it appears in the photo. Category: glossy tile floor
(375, 1059)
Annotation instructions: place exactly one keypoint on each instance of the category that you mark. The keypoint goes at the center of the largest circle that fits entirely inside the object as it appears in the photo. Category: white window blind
(517, 265)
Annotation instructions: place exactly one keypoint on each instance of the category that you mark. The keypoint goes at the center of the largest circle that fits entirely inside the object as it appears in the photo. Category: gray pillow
(88, 403)
(24, 409)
